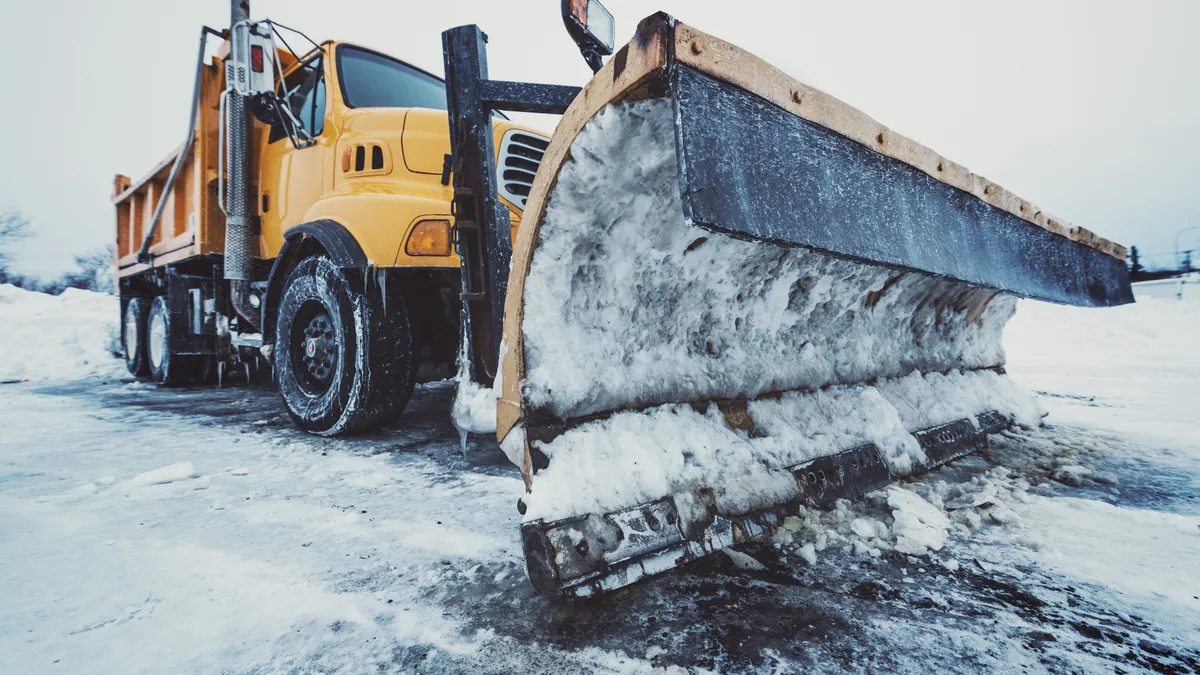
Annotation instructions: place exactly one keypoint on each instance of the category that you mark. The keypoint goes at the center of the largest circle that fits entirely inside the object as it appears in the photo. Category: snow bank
(1185, 288)
(1152, 333)
(1136, 551)
(1133, 370)
(52, 337)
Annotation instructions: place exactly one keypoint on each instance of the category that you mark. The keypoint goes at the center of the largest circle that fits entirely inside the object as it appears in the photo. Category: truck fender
(320, 236)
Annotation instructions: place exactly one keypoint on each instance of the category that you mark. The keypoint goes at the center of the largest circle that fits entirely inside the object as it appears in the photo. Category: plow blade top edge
(753, 170)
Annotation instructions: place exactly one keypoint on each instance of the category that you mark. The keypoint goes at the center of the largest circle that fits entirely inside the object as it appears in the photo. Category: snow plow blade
(733, 295)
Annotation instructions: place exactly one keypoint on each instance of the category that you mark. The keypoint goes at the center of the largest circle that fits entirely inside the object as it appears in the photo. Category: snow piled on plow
(630, 308)
(636, 457)
(628, 305)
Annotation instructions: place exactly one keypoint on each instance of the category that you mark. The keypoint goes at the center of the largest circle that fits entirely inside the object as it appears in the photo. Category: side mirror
(592, 27)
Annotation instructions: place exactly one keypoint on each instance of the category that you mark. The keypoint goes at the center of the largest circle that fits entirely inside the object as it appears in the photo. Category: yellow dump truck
(730, 295)
(348, 204)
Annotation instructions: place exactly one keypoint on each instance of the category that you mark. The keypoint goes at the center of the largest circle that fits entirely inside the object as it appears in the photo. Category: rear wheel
(165, 366)
(344, 359)
(133, 337)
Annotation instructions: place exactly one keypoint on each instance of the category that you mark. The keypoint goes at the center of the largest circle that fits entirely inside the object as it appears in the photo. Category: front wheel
(343, 356)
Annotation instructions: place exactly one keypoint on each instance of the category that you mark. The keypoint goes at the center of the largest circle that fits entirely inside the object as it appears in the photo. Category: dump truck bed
(192, 223)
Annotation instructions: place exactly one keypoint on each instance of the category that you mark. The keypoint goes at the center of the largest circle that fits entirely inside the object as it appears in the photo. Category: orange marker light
(346, 160)
(429, 237)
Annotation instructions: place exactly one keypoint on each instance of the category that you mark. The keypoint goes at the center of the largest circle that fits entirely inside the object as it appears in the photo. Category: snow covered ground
(193, 530)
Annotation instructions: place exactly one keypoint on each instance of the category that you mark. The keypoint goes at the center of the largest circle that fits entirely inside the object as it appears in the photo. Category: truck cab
(377, 160)
(377, 167)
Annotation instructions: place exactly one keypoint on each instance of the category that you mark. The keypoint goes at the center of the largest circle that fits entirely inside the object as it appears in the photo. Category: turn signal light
(256, 58)
(429, 237)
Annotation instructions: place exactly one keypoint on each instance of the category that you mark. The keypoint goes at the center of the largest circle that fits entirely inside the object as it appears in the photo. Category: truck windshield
(371, 80)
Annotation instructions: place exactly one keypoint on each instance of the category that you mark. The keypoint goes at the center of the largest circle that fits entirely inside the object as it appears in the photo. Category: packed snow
(627, 305)
(632, 458)
(706, 316)
(474, 409)
(142, 543)
(55, 337)
(167, 474)
(1102, 365)
(915, 520)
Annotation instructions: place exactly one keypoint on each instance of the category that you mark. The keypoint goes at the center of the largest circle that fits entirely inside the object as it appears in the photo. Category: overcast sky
(1089, 108)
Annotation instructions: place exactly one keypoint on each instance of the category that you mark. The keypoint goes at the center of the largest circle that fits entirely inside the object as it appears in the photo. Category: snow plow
(732, 295)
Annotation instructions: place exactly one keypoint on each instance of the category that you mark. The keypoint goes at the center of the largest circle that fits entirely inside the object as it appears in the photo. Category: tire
(342, 363)
(133, 337)
(166, 367)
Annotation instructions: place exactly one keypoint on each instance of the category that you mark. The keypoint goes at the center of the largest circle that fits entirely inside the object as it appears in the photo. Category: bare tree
(93, 272)
(12, 227)
(95, 269)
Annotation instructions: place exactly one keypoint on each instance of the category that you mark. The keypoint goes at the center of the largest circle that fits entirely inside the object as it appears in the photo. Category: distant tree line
(93, 271)
(1139, 272)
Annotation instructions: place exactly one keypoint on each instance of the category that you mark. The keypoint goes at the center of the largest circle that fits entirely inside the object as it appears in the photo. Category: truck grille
(520, 154)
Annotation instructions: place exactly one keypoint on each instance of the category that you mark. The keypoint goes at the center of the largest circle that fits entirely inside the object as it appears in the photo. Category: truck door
(292, 178)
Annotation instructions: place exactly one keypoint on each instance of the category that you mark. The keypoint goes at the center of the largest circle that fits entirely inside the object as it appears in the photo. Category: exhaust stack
(239, 265)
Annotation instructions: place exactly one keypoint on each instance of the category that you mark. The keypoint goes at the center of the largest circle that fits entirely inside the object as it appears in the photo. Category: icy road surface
(194, 530)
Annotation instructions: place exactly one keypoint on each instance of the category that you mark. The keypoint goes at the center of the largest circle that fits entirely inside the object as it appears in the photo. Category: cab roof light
(592, 27)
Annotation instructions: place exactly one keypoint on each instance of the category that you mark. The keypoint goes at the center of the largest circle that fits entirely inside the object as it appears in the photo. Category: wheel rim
(315, 348)
(131, 333)
(157, 337)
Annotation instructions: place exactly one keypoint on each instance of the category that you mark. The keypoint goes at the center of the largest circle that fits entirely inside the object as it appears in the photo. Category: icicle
(381, 279)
